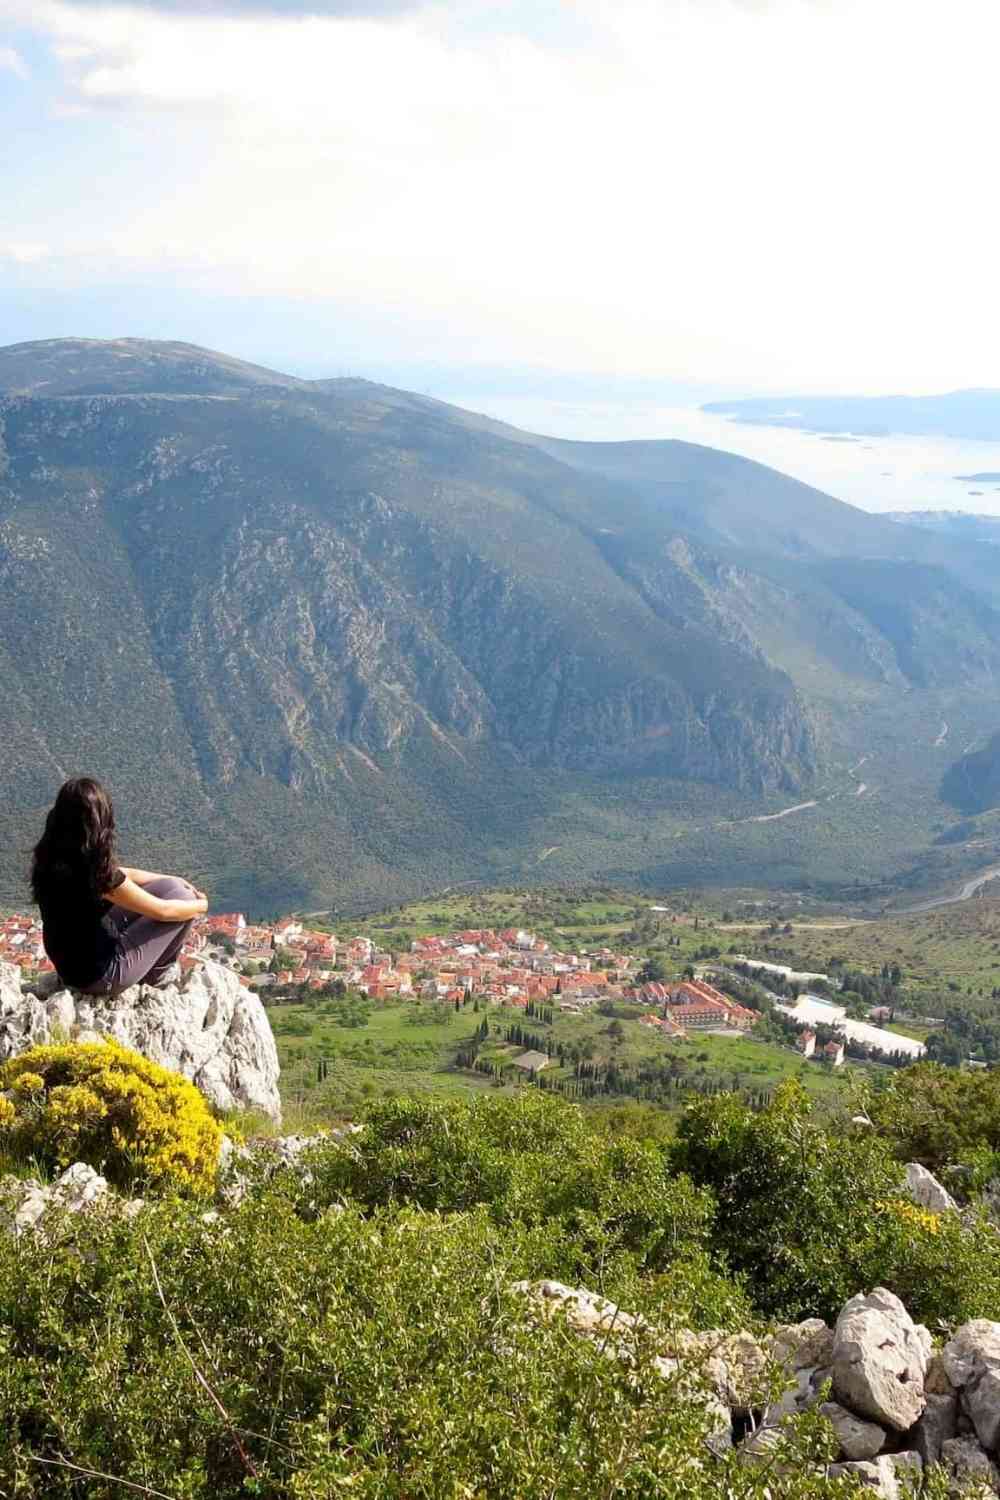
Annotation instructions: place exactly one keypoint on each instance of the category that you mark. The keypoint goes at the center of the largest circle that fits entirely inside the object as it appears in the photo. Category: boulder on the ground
(209, 1028)
(966, 1462)
(250, 1164)
(924, 1188)
(617, 1332)
(938, 1423)
(858, 1439)
(879, 1359)
(972, 1362)
(877, 1474)
(799, 1346)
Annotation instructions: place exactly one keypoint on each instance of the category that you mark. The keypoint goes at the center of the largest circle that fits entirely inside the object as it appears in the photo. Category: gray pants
(146, 947)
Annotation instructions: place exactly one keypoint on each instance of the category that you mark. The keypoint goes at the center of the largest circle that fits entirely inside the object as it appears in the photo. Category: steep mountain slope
(324, 637)
(972, 783)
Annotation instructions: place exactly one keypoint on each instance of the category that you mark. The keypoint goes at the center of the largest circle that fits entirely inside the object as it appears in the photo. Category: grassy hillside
(952, 952)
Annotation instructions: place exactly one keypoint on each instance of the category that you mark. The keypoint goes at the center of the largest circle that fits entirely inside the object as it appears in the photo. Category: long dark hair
(78, 844)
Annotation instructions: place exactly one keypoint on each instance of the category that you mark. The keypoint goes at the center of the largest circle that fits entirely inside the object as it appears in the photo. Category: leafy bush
(138, 1123)
(381, 1357)
(530, 1159)
(933, 1114)
(812, 1216)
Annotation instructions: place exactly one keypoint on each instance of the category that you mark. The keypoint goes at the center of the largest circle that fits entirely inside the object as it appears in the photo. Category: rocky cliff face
(209, 1028)
(308, 612)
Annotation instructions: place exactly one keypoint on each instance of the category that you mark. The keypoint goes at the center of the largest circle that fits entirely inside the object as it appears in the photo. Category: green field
(411, 1046)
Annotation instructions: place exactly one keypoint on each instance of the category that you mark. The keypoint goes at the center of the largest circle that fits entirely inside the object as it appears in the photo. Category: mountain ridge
(408, 637)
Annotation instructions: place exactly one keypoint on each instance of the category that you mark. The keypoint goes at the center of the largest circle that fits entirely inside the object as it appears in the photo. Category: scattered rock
(965, 1461)
(936, 1381)
(936, 1426)
(210, 1028)
(246, 1166)
(25, 1204)
(804, 1344)
(925, 1189)
(909, 1469)
(877, 1474)
(604, 1322)
(585, 1312)
(858, 1439)
(972, 1362)
(879, 1359)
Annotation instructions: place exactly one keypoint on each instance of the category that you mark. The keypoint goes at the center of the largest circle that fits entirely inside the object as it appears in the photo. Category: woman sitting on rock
(104, 926)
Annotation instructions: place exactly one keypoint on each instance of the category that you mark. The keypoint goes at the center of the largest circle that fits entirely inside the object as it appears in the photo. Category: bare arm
(132, 896)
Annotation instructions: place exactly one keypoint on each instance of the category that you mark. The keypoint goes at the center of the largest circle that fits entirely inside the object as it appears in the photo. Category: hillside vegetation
(364, 1329)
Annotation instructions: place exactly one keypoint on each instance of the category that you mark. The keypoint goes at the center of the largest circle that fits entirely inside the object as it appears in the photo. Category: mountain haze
(331, 640)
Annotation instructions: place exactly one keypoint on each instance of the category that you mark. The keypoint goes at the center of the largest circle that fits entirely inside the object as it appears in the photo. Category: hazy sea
(875, 473)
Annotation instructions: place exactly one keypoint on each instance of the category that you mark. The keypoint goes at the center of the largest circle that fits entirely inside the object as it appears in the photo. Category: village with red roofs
(511, 967)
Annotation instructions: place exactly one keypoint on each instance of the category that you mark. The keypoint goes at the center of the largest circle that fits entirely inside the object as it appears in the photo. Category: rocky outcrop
(252, 1164)
(26, 1203)
(858, 1439)
(968, 1465)
(879, 1360)
(898, 1412)
(208, 1028)
(924, 1188)
(971, 1361)
(29, 1204)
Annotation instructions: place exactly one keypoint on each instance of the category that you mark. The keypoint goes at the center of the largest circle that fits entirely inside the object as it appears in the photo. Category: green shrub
(811, 1215)
(97, 1102)
(530, 1159)
(933, 1114)
(380, 1357)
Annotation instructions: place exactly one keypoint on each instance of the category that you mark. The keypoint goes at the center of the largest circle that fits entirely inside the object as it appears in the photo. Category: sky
(690, 197)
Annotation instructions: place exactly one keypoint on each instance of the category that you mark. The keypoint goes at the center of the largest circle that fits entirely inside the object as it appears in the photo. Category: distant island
(989, 477)
(973, 415)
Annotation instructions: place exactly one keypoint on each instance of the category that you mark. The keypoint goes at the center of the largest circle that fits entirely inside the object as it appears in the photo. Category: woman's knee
(169, 888)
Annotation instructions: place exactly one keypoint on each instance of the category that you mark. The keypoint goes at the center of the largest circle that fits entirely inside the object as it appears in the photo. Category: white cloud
(13, 62)
(23, 253)
(791, 191)
(264, 7)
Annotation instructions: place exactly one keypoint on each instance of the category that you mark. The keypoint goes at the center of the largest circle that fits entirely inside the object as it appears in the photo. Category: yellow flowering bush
(137, 1123)
(911, 1215)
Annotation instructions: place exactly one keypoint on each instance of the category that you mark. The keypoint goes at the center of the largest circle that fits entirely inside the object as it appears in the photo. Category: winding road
(967, 891)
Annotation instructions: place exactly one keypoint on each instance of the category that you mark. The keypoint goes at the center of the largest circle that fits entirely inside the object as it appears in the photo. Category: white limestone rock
(251, 1164)
(909, 1469)
(618, 1333)
(924, 1188)
(858, 1439)
(879, 1360)
(208, 1028)
(25, 1205)
(799, 1345)
(10, 989)
(877, 1474)
(972, 1362)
